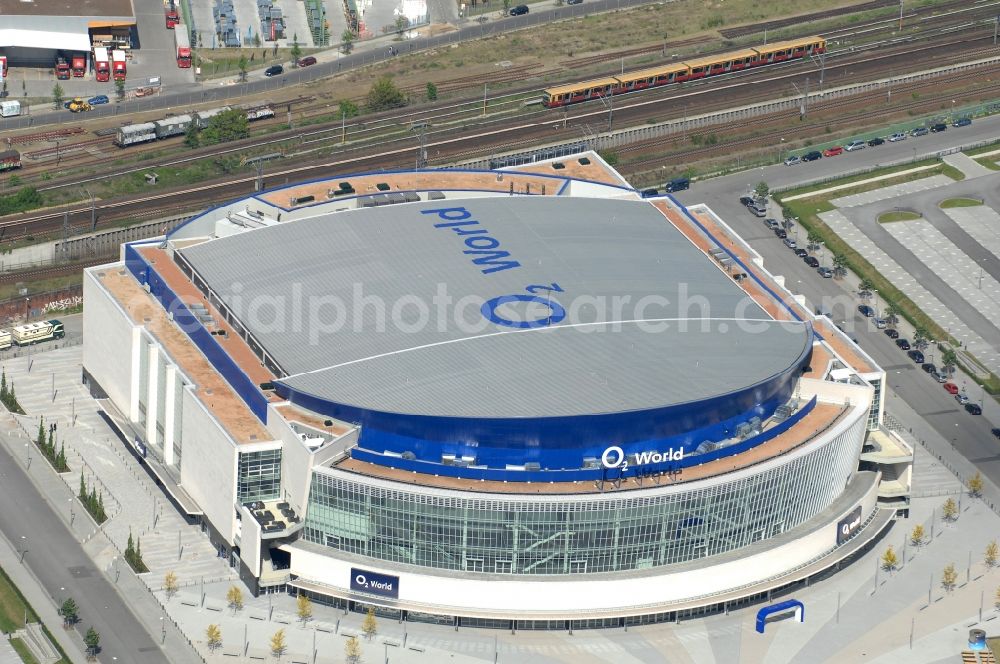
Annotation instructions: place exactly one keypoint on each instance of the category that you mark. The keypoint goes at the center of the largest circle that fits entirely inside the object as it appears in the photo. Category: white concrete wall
(574, 596)
(208, 465)
(107, 332)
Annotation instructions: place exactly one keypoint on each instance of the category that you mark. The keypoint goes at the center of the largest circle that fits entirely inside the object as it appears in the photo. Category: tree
(889, 559)
(242, 65)
(347, 41)
(352, 648)
(917, 535)
(234, 596)
(976, 485)
(305, 609)
(384, 95)
(949, 511)
(761, 190)
(93, 642)
(348, 109)
(506, 7)
(402, 23)
(949, 577)
(369, 626)
(892, 313)
(840, 264)
(921, 337)
(192, 135)
(120, 90)
(296, 50)
(69, 611)
(170, 585)
(992, 553)
(949, 358)
(213, 635)
(57, 96)
(278, 645)
(227, 126)
(432, 91)
(866, 285)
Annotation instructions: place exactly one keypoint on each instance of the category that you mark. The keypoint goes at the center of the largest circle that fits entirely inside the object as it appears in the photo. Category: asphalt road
(362, 56)
(59, 561)
(968, 433)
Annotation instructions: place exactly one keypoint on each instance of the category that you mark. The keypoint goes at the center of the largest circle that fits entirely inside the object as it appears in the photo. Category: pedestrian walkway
(7, 653)
(946, 260)
(850, 185)
(48, 384)
(905, 282)
(892, 191)
(982, 223)
(969, 166)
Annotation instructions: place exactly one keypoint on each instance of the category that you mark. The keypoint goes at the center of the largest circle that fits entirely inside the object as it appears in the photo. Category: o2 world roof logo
(615, 457)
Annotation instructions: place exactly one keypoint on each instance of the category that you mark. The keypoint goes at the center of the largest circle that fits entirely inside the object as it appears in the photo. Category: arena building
(489, 396)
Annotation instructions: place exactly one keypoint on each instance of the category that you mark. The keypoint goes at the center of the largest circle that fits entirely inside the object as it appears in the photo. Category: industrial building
(516, 397)
(33, 33)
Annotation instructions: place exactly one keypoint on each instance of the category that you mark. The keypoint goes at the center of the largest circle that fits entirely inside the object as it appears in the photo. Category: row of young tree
(7, 396)
(47, 445)
(93, 500)
(70, 613)
(133, 555)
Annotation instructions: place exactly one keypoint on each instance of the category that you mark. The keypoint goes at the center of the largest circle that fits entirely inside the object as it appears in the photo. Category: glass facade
(259, 476)
(585, 534)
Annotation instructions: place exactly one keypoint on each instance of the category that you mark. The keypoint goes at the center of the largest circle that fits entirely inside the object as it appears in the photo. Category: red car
(834, 151)
(951, 388)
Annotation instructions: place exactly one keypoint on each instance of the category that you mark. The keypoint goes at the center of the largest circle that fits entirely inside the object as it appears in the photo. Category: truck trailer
(10, 108)
(118, 64)
(62, 69)
(33, 333)
(102, 64)
(183, 46)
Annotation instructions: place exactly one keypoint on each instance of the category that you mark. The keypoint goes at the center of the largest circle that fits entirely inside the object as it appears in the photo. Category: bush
(27, 198)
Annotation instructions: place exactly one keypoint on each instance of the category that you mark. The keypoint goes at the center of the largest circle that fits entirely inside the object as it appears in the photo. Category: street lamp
(24, 548)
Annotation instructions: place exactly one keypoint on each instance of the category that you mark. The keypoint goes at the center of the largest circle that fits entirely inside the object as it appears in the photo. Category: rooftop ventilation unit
(591, 462)
(532, 465)
(743, 430)
(707, 446)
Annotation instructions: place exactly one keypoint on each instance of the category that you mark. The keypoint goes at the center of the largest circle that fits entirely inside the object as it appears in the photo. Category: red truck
(3, 65)
(118, 64)
(79, 65)
(62, 69)
(173, 18)
(102, 64)
(183, 46)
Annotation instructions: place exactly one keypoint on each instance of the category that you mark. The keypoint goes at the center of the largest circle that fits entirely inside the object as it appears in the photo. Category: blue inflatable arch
(780, 607)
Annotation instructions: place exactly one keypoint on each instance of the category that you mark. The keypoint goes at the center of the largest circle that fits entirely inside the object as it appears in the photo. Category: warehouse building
(517, 397)
(33, 33)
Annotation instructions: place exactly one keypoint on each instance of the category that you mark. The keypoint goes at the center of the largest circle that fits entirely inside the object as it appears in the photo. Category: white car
(898, 136)
(793, 161)
(855, 145)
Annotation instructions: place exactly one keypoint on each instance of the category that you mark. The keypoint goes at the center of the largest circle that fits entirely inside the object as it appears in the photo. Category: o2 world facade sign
(615, 457)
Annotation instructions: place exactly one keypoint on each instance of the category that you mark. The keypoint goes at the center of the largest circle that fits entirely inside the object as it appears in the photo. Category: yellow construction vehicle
(78, 105)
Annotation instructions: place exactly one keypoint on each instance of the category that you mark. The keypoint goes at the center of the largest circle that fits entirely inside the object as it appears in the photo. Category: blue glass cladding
(201, 337)
(558, 442)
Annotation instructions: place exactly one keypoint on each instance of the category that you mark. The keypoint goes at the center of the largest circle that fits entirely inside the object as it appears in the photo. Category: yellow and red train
(689, 70)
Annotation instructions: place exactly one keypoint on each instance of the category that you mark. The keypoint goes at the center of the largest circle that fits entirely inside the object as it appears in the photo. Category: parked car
(866, 311)
(940, 126)
(940, 376)
(996, 431)
(790, 242)
(772, 223)
(898, 136)
(855, 145)
(573, 2)
(274, 70)
(916, 356)
(919, 131)
(98, 100)
(872, 142)
(962, 122)
(904, 344)
(812, 156)
(306, 61)
(880, 323)
(519, 10)
(811, 261)
(891, 333)
(962, 398)
(834, 151)
(677, 184)
(929, 367)
(793, 161)
(746, 201)
(825, 272)
(951, 388)
(648, 193)
(803, 253)
(781, 233)
(973, 409)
